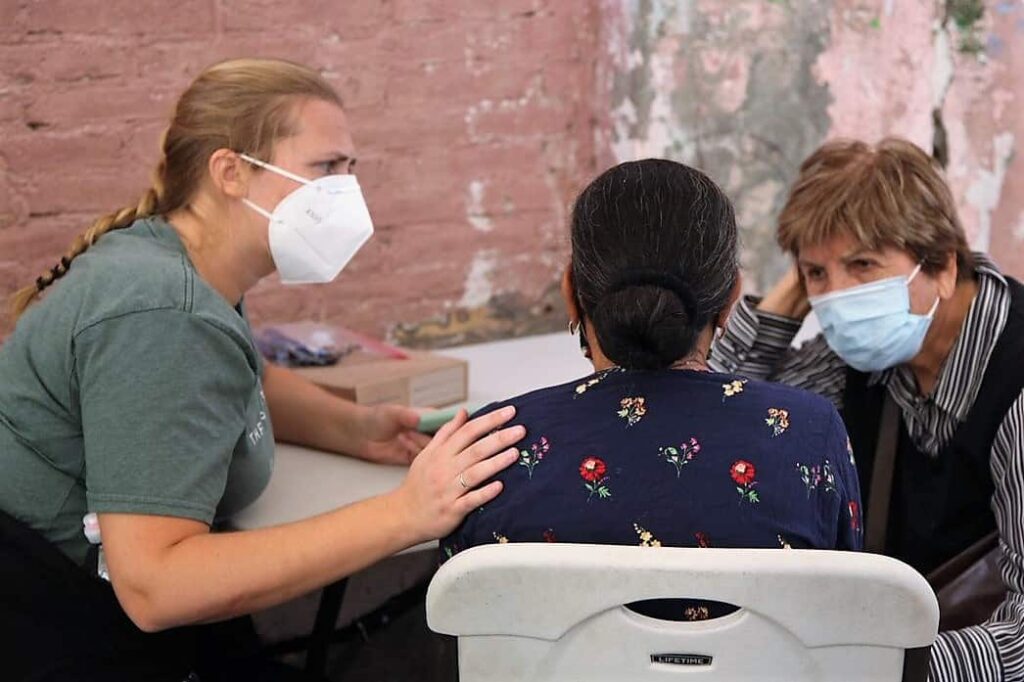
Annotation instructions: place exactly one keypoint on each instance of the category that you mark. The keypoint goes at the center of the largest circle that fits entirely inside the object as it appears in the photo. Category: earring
(573, 326)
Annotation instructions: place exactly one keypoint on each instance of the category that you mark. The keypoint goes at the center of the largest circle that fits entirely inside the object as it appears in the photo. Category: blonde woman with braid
(131, 388)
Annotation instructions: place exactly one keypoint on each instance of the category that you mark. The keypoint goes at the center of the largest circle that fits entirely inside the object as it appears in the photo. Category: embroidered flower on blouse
(732, 388)
(633, 410)
(817, 476)
(593, 470)
(530, 458)
(549, 536)
(680, 456)
(582, 388)
(647, 539)
(702, 539)
(778, 419)
(501, 539)
(854, 510)
(594, 381)
(784, 543)
(743, 474)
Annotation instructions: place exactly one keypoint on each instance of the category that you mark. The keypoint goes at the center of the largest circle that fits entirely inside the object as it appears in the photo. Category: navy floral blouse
(674, 457)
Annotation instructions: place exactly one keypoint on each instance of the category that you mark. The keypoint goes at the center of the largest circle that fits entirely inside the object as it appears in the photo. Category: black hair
(654, 259)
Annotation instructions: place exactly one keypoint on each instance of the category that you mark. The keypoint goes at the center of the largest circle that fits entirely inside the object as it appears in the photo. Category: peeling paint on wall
(728, 87)
(984, 193)
(505, 315)
(475, 212)
(479, 288)
(479, 122)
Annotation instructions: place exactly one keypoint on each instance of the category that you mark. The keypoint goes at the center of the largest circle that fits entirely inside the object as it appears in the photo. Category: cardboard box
(420, 380)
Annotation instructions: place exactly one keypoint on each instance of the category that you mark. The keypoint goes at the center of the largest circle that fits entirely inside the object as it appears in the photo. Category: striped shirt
(758, 345)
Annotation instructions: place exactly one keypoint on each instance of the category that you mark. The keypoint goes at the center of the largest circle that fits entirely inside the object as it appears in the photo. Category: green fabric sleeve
(163, 397)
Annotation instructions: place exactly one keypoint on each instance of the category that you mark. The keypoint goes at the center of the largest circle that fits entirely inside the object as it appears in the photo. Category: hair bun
(640, 277)
(644, 325)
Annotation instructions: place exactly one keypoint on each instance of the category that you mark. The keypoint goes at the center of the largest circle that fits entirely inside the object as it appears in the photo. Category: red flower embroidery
(702, 539)
(549, 536)
(593, 472)
(592, 469)
(743, 472)
(854, 515)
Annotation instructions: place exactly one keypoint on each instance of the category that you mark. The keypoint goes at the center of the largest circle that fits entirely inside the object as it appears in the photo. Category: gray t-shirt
(132, 387)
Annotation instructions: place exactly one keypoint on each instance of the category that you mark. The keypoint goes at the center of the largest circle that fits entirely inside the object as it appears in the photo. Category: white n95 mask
(317, 229)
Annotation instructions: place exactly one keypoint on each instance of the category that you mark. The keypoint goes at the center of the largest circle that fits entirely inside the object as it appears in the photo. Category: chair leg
(326, 620)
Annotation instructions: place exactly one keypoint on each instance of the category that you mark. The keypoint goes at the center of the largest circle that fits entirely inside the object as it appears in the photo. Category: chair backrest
(557, 612)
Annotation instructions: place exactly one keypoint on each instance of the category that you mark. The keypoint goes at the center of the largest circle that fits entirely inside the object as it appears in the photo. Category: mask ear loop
(263, 212)
(274, 169)
(935, 306)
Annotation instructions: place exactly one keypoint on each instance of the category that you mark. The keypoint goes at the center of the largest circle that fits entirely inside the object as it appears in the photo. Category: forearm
(305, 414)
(214, 576)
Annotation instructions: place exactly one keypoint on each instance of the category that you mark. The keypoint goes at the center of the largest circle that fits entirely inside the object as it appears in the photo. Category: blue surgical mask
(870, 326)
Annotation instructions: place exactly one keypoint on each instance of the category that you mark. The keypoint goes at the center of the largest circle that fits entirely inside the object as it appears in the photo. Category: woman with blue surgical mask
(131, 389)
(922, 349)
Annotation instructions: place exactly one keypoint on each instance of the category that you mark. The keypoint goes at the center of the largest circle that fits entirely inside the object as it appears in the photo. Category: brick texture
(471, 119)
(477, 123)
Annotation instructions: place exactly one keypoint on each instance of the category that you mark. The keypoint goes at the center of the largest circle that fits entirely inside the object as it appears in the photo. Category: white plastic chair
(539, 612)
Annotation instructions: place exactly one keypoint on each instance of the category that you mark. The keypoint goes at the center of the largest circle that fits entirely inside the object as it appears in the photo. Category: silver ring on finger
(462, 480)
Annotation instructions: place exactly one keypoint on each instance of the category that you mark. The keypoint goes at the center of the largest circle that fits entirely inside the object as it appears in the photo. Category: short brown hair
(891, 194)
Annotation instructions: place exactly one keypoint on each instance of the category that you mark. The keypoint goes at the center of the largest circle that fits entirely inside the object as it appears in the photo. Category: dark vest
(941, 505)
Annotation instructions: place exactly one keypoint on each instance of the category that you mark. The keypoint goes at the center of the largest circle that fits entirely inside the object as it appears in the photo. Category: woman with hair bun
(654, 448)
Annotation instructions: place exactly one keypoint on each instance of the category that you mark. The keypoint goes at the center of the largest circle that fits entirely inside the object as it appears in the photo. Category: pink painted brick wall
(472, 121)
(478, 121)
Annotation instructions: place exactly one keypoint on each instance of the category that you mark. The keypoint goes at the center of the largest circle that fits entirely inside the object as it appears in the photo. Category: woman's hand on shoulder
(444, 481)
